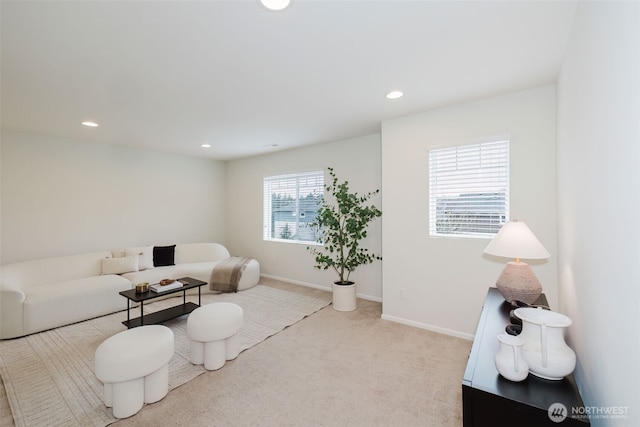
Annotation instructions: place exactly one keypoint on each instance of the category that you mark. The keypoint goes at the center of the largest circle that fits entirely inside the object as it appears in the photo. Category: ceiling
(172, 75)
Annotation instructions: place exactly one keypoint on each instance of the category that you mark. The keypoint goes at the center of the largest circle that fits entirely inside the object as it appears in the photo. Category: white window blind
(290, 205)
(469, 189)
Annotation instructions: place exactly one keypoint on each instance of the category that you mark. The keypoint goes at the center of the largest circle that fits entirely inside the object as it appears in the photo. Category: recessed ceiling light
(275, 4)
(395, 94)
(90, 124)
(205, 145)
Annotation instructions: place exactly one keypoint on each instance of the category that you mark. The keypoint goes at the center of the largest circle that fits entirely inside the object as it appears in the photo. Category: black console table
(167, 313)
(488, 399)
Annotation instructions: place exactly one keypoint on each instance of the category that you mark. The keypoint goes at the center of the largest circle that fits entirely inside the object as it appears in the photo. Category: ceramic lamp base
(517, 282)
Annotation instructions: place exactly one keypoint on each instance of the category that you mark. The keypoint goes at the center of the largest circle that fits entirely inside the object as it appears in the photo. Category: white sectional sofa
(47, 293)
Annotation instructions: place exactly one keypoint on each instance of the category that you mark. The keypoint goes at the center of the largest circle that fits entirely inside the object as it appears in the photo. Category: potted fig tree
(342, 222)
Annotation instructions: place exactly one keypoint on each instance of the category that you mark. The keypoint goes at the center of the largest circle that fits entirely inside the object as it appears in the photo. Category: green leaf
(343, 225)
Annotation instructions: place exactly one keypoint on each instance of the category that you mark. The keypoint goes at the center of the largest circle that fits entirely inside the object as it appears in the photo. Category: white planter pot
(344, 297)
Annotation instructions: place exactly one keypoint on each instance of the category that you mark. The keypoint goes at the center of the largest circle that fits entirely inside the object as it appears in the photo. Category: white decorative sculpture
(509, 358)
(546, 352)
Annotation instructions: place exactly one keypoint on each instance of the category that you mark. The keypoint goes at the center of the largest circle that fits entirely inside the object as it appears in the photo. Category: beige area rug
(49, 377)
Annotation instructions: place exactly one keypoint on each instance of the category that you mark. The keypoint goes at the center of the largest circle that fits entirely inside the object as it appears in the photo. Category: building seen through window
(469, 189)
(290, 206)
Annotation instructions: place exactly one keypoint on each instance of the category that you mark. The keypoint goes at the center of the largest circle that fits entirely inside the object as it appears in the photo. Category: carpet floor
(330, 369)
(49, 377)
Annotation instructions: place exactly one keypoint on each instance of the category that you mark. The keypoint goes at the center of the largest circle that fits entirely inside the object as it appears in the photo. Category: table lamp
(517, 281)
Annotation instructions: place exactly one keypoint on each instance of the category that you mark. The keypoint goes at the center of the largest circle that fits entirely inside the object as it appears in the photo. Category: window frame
(480, 181)
(268, 221)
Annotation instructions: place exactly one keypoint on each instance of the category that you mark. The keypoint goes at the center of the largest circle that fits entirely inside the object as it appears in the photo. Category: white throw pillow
(120, 265)
(146, 256)
(117, 253)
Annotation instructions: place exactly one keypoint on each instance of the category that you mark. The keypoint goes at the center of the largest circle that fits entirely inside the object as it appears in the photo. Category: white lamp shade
(516, 240)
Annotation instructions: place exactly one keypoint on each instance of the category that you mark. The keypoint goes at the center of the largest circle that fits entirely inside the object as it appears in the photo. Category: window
(469, 189)
(290, 205)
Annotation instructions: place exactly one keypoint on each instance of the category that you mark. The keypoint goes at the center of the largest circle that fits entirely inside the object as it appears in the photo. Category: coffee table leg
(199, 300)
(128, 318)
(141, 313)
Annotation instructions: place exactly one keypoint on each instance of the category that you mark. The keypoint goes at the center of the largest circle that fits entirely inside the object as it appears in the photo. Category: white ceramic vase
(547, 353)
(509, 358)
(344, 297)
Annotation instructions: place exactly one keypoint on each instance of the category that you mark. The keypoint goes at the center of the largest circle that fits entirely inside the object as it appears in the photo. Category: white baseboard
(297, 282)
(313, 285)
(428, 327)
(401, 320)
(370, 298)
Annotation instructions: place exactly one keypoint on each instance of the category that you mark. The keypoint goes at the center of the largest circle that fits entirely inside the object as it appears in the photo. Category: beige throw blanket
(226, 275)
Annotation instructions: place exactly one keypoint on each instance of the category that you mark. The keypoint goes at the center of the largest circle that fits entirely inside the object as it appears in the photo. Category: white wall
(599, 202)
(63, 197)
(355, 160)
(438, 283)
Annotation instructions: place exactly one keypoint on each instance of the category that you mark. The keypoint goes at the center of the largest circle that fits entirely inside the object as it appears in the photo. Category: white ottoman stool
(213, 330)
(134, 367)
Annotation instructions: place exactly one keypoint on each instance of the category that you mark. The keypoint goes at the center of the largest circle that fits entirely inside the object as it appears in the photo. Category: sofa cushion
(154, 275)
(146, 256)
(118, 253)
(26, 274)
(195, 270)
(164, 255)
(200, 252)
(56, 304)
(120, 265)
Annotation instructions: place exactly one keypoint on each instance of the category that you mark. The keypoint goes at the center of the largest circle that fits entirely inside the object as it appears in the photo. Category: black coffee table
(166, 314)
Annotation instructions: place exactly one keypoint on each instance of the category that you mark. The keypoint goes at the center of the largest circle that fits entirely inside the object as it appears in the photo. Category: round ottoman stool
(213, 331)
(134, 367)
